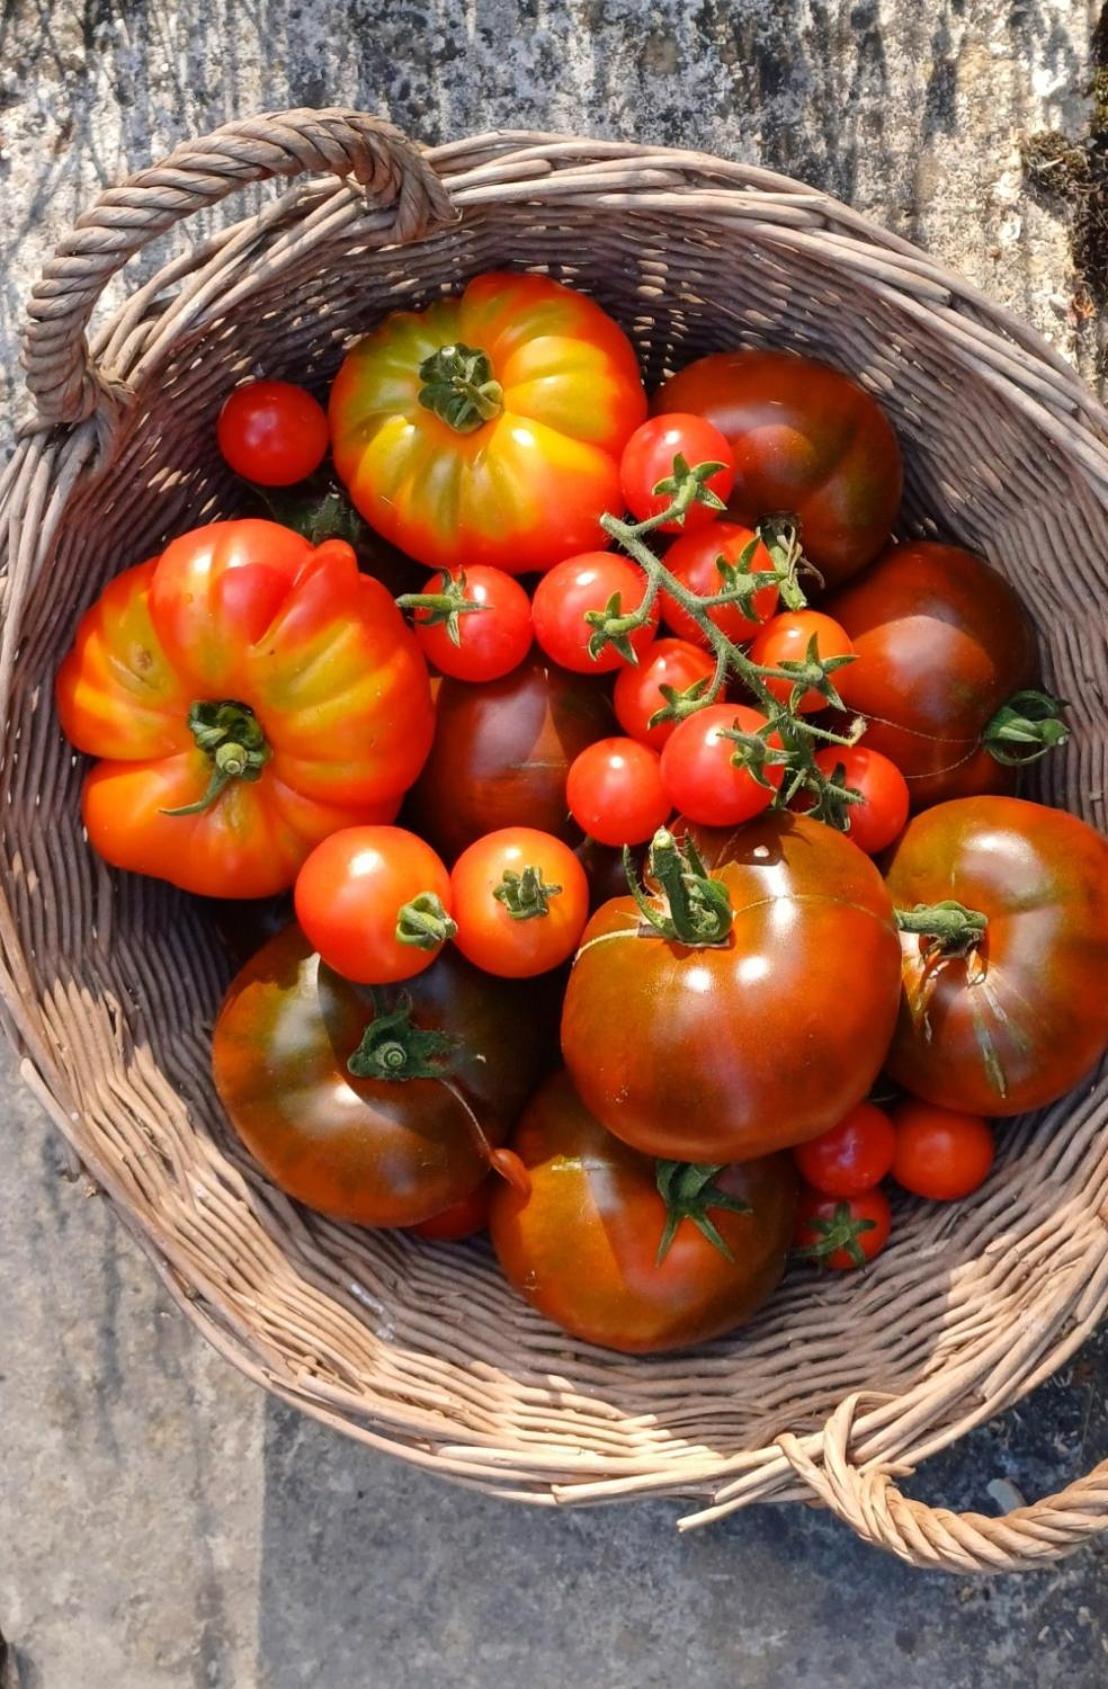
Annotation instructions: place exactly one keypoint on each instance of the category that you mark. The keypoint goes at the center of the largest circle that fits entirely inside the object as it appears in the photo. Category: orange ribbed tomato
(489, 427)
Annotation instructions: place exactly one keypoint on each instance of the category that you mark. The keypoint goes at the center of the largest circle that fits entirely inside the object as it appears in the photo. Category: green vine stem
(688, 1190)
(694, 908)
(231, 737)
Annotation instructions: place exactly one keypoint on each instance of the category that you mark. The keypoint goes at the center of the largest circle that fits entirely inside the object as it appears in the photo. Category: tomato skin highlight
(853, 1156)
(699, 777)
(648, 458)
(570, 591)
(870, 1207)
(272, 433)
(940, 1154)
(528, 486)
(668, 662)
(691, 560)
(615, 792)
(492, 641)
(492, 938)
(582, 1248)
(882, 816)
(350, 892)
(785, 639)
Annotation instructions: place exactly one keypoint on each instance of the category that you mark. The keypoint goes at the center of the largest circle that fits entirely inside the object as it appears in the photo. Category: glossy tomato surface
(490, 639)
(583, 586)
(1024, 1017)
(723, 1053)
(673, 663)
(522, 489)
(615, 792)
(649, 457)
(520, 899)
(940, 1154)
(272, 432)
(357, 894)
(808, 442)
(583, 1247)
(693, 561)
(379, 1152)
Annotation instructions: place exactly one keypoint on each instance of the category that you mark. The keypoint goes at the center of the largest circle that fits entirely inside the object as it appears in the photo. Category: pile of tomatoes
(627, 887)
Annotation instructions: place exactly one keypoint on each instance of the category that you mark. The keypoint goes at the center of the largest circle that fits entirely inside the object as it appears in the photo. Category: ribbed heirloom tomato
(488, 428)
(248, 695)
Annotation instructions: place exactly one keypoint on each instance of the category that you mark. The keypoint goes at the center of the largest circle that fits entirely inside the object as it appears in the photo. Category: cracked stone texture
(162, 1525)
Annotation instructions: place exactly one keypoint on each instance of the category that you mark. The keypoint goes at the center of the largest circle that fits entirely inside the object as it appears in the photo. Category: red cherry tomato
(786, 640)
(350, 895)
(521, 899)
(842, 1232)
(638, 695)
(464, 1218)
(882, 814)
(698, 773)
(615, 792)
(939, 1153)
(692, 560)
(272, 433)
(648, 458)
(853, 1156)
(570, 591)
(491, 641)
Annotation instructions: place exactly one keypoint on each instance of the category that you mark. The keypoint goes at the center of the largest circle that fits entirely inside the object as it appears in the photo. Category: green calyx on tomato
(1025, 728)
(394, 1047)
(230, 735)
(525, 895)
(949, 927)
(688, 486)
(460, 388)
(688, 1190)
(697, 909)
(446, 607)
(423, 922)
(841, 1231)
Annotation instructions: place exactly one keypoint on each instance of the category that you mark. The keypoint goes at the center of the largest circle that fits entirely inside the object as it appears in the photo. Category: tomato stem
(689, 1189)
(447, 606)
(393, 1047)
(525, 895)
(841, 1231)
(950, 926)
(460, 388)
(696, 908)
(1024, 729)
(424, 922)
(231, 737)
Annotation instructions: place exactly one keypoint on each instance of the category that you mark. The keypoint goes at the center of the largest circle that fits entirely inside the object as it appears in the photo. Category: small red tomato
(520, 899)
(939, 1153)
(787, 638)
(272, 433)
(693, 562)
(700, 777)
(375, 903)
(853, 1156)
(882, 814)
(490, 641)
(464, 1218)
(573, 589)
(638, 695)
(842, 1232)
(648, 458)
(615, 792)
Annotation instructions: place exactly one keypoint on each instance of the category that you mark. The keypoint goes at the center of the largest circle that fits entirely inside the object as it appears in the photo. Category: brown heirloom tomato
(502, 751)
(941, 642)
(1019, 1020)
(808, 443)
(723, 1052)
(583, 1247)
(380, 1151)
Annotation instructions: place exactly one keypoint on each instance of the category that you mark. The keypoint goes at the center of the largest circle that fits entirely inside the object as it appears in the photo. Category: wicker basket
(111, 982)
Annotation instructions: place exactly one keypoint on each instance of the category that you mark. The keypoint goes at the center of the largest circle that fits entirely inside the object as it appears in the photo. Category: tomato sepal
(841, 1231)
(393, 1047)
(423, 922)
(689, 1189)
(230, 735)
(1026, 727)
(525, 895)
(698, 908)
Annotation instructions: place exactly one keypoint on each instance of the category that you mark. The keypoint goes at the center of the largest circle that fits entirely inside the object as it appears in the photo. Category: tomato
(699, 775)
(502, 751)
(615, 792)
(520, 899)
(693, 562)
(882, 814)
(1016, 1022)
(584, 1247)
(464, 1218)
(788, 639)
(454, 1056)
(648, 459)
(808, 443)
(482, 643)
(375, 902)
(759, 1039)
(489, 426)
(638, 696)
(604, 870)
(272, 433)
(941, 642)
(264, 688)
(939, 1153)
(583, 586)
(842, 1233)
(853, 1156)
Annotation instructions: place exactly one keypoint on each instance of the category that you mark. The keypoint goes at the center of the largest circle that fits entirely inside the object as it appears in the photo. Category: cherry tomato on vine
(570, 591)
(842, 1232)
(272, 433)
(882, 814)
(693, 562)
(699, 776)
(853, 1156)
(939, 1152)
(638, 695)
(648, 458)
(490, 641)
(374, 901)
(615, 792)
(464, 1218)
(520, 899)
(786, 639)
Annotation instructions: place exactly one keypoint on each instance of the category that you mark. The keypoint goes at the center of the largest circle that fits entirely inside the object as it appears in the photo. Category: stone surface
(161, 1524)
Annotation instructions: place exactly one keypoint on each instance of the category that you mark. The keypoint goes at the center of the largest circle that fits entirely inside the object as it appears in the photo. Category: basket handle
(66, 384)
(934, 1537)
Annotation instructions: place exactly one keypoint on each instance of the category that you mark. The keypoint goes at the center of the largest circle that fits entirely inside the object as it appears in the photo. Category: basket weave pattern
(111, 982)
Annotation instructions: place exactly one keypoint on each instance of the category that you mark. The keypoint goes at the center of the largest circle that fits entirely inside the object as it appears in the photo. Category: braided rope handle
(66, 384)
(934, 1537)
